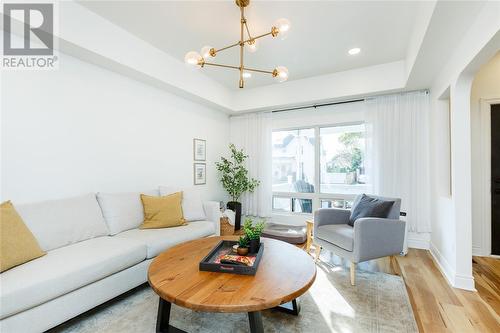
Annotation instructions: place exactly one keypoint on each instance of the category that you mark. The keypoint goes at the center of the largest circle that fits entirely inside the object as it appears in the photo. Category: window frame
(317, 196)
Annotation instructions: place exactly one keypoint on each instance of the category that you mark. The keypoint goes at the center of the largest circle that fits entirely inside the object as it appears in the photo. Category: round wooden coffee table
(284, 273)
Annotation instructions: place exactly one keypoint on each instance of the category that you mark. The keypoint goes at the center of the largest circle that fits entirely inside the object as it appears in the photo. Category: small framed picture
(200, 149)
(200, 173)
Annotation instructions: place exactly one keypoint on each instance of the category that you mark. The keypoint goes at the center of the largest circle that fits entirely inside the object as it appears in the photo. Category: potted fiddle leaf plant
(253, 232)
(235, 180)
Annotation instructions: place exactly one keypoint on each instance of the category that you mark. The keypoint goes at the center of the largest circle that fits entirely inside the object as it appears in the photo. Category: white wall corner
(422, 21)
(443, 265)
(455, 280)
(416, 240)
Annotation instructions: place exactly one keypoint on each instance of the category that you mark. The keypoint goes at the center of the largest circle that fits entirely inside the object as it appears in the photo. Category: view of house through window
(342, 159)
(293, 168)
(339, 167)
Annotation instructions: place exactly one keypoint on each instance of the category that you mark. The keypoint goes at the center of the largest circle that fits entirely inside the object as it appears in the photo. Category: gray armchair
(370, 238)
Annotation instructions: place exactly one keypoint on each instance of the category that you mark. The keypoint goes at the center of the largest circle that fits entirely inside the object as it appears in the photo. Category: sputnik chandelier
(280, 28)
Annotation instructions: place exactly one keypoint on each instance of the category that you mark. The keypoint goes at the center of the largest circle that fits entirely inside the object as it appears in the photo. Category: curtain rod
(345, 102)
(318, 105)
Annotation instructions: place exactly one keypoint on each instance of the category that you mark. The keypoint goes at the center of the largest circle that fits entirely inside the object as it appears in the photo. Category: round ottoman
(287, 233)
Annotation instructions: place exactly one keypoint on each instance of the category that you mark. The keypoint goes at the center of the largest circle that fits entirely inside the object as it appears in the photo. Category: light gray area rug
(378, 303)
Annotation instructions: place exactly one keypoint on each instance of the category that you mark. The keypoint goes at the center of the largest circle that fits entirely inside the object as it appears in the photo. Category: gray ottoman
(286, 233)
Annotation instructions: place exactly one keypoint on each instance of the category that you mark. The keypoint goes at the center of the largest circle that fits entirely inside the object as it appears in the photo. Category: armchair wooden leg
(318, 250)
(353, 273)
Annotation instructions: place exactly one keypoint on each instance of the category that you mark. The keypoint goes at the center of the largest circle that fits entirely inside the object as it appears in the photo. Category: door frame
(485, 111)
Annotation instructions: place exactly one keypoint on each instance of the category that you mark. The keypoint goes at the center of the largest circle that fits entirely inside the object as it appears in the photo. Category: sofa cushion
(366, 206)
(66, 269)
(158, 240)
(162, 212)
(17, 243)
(341, 235)
(123, 211)
(192, 205)
(287, 233)
(58, 223)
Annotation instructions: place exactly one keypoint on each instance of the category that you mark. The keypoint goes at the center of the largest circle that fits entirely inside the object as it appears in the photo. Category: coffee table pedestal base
(163, 320)
(292, 307)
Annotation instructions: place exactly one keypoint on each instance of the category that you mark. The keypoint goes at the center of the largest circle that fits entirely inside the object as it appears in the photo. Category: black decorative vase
(236, 207)
(254, 245)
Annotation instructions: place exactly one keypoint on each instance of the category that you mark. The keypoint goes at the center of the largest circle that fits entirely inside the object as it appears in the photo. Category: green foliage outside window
(350, 158)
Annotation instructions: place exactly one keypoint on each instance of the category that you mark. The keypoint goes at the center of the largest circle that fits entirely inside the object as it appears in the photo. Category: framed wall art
(200, 173)
(199, 149)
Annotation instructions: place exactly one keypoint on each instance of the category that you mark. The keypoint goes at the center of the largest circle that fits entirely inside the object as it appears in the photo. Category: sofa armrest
(377, 237)
(212, 211)
(324, 216)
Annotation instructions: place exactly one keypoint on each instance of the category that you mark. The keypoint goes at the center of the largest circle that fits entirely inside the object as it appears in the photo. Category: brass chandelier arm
(245, 41)
(238, 68)
(220, 65)
(248, 30)
(227, 47)
(260, 36)
(257, 70)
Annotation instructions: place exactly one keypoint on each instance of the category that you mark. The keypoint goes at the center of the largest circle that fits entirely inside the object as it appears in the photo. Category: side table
(309, 234)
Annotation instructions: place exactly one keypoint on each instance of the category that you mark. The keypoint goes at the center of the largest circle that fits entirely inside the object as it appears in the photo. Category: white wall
(86, 129)
(451, 240)
(486, 85)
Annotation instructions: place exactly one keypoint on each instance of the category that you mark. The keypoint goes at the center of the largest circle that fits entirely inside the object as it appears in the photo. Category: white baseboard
(418, 240)
(464, 282)
(477, 251)
(453, 279)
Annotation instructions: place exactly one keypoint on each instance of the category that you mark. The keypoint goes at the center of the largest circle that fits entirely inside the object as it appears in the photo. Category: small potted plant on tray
(252, 233)
(242, 249)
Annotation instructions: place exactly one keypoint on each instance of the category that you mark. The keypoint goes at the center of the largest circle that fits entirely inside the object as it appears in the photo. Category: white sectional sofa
(95, 252)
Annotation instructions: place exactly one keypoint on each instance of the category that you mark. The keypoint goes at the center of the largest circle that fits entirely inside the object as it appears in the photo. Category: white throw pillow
(123, 211)
(192, 205)
(58, 223)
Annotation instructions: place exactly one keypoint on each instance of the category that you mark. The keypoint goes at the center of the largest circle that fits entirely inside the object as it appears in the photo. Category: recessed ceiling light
(247, 75)
(354, 51)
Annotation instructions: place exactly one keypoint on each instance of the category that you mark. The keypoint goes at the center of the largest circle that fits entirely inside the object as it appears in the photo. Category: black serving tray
(208, 264)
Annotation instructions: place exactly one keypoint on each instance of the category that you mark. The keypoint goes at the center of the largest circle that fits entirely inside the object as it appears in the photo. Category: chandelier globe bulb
(206, 52)
(283, 27)
(280, 73)
(193, 58)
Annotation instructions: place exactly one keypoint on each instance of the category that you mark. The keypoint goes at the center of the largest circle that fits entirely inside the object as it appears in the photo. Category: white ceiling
(322, 32)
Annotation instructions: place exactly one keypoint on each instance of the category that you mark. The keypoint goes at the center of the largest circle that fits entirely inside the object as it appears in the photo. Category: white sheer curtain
(398, 153)
(253, 133)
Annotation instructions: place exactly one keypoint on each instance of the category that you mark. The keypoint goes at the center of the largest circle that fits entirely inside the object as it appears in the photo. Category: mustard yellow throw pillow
(162, 212)
(17, 243)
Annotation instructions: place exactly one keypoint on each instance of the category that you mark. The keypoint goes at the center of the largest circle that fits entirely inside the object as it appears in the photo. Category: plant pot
(236, 207)
(254, 245)
(242, 251)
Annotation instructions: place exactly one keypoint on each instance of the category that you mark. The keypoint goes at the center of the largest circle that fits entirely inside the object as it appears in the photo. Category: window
(293, 160)
(318, 167)
(336, 203)
(295, 205)
(342, 159)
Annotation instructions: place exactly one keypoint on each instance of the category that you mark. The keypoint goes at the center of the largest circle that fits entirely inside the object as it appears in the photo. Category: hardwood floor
(437, 306)
(487, 277)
